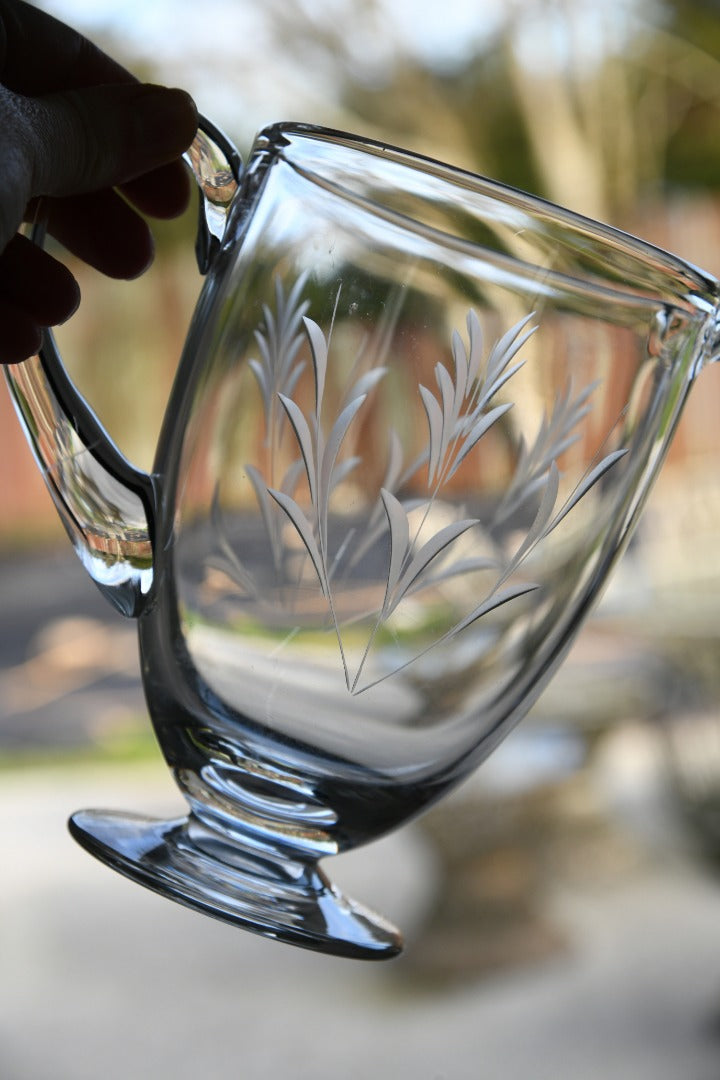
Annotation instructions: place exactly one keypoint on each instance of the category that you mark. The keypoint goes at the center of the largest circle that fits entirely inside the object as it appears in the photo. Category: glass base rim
(160, 855)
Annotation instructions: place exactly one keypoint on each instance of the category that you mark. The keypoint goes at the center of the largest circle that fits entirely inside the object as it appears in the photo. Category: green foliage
(693, 87)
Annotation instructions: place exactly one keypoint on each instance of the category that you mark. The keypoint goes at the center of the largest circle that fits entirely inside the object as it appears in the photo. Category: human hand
(80, 133)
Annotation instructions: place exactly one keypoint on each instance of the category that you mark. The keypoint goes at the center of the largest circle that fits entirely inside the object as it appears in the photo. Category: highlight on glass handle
(217, 167)
(107, 505)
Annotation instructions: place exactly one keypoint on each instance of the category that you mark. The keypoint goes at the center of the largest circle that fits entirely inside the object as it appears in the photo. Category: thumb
(101, 136)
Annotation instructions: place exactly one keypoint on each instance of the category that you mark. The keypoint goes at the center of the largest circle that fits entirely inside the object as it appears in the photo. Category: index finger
(40, 54)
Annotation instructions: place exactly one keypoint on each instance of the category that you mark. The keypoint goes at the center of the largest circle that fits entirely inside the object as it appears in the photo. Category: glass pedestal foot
(302, 909)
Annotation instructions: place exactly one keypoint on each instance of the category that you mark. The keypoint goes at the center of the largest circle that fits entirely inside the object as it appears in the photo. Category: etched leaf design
(261, 494)
(435, 425)
(278, 341)
(367, 382)
(377, 522)
(455, 569)
(332, 448)
(555, 435)
(230, 562)
(399, 542)
(305, 532)
(460, 409)
(263, 382)
(475, 337)
(507, 347)
(456, 421)
(476, 433)
(496, 386)
(343, 470)
(461, 366)
(449, 408)
(305, 441)
(542, 517)
(292, 476)
(492, 603)
(293, 379)
(429, 551)
(318, 349)
(586, 483)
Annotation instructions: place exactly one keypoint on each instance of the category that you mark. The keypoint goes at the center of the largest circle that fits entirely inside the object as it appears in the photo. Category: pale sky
(225, 51)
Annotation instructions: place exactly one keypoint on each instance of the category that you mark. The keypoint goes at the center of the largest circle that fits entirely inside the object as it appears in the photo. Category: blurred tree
(594, 106)
(685, 53)
(597, 106)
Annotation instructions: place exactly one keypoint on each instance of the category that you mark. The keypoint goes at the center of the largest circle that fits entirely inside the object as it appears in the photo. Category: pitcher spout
(711, 345)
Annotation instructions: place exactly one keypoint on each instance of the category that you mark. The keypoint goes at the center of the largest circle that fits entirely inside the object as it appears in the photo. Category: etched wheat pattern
(459, 411)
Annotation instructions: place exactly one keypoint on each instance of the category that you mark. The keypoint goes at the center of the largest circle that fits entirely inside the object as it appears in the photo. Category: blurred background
(562, 910)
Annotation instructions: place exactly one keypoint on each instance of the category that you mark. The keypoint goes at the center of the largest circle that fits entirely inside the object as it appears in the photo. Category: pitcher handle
(108, 506)
(217, 167)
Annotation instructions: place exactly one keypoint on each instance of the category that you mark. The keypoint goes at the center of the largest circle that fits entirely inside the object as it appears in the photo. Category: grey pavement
(604, 962)
(69, 670)
(101, 978)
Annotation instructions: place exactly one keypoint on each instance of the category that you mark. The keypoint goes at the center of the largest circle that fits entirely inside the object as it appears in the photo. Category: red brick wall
(690, 228)
(27, 509)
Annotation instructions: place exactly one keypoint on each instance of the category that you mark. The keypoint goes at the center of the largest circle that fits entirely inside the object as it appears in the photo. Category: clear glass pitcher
(412, 428)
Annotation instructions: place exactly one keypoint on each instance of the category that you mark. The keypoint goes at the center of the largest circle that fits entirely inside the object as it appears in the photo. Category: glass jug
(413, 426)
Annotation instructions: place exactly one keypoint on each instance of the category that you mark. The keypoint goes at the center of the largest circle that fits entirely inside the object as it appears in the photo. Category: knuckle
(85, 147)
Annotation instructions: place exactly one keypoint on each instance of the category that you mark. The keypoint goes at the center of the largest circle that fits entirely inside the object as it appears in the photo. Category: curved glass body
(415, 420)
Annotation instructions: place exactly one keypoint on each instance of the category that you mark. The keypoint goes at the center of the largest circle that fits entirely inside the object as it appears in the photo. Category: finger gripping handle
(107, 506)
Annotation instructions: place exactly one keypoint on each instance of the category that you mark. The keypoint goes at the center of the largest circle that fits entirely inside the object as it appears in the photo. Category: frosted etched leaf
(458, 414)
(318, 347)
(304, 531)
(305, 442)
